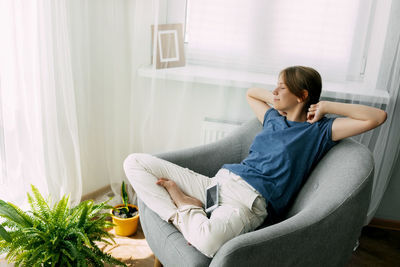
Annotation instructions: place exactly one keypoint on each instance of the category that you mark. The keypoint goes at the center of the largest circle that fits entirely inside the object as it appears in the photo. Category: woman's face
(284, 100)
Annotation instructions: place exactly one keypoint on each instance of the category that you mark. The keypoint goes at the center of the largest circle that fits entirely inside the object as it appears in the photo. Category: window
(266, 36)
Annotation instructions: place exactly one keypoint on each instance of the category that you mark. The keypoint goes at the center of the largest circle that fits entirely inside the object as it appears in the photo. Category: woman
(295, 136)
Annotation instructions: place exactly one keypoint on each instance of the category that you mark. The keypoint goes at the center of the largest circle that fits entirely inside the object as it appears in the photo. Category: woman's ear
(303, 97)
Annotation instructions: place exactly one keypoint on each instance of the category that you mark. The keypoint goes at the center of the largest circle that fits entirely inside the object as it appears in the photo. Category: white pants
(242, 209)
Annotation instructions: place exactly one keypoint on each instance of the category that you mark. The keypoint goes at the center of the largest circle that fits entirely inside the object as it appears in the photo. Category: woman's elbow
(379, 119)
(250, 92)
(382, 117)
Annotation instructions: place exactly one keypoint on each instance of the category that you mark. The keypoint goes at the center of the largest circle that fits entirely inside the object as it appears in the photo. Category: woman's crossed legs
(177, 195)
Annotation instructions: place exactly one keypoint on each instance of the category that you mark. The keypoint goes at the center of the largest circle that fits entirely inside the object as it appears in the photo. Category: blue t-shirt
(281, 157)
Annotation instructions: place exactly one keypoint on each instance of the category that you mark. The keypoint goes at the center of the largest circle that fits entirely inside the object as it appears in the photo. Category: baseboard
(385, 224)
(97, 193)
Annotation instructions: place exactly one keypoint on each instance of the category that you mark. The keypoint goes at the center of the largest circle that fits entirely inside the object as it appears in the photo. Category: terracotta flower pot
(125, 226)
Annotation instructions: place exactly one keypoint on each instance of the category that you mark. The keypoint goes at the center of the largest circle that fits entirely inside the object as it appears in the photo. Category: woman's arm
(358, 118)
(258, 100)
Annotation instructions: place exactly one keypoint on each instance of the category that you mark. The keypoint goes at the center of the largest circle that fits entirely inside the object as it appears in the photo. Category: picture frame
(169, 46)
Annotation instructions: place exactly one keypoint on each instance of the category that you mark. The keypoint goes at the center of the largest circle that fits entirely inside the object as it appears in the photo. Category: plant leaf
(124, 194)
(4, 234)
(41, 204)
(71, 249)
(60, 210)
(85, 211)
(9, 211)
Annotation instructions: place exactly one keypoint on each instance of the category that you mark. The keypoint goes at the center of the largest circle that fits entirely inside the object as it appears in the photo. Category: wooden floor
(133, 250)
(378, 248)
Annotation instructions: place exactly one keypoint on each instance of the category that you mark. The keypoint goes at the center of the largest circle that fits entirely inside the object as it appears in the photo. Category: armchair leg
(157, 263)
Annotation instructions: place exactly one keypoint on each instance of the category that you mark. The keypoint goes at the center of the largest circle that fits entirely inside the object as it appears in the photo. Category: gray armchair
(320, 229)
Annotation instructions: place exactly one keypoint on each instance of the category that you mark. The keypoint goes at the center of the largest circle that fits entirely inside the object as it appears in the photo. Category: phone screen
(211, 196)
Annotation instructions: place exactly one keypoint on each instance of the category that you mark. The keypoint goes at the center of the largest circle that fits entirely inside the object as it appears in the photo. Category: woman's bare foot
(177, 195)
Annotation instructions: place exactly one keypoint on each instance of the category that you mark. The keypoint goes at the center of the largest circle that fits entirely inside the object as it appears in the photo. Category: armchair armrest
(299, 241)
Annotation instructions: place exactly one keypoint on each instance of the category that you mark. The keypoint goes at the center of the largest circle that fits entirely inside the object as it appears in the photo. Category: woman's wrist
(323, 107)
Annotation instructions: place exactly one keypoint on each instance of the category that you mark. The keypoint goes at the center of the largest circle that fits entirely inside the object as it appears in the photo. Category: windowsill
(243, 79)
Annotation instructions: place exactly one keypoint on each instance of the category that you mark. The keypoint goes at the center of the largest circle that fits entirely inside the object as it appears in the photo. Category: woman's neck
(298, 115)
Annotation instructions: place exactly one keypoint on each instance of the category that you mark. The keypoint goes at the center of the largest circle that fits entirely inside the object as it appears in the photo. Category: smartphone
(212, 198)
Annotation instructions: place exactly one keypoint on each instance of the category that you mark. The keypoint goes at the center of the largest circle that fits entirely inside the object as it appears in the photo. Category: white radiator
(215, 129)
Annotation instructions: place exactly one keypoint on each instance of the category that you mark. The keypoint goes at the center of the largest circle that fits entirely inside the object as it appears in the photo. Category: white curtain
(38, 123)
(387, 146)
(101, 55)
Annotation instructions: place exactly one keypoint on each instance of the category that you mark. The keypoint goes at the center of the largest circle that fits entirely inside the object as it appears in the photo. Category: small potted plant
(55, 235)
(125, 216)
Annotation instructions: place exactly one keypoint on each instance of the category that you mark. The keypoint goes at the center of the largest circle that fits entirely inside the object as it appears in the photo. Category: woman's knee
(135, 161)
(226, 224)
(209, 245)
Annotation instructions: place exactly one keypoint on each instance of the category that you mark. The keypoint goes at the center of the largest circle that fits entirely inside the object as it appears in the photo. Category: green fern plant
(55, 235)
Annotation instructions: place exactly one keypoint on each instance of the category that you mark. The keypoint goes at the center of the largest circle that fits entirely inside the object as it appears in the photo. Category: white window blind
(267, 36)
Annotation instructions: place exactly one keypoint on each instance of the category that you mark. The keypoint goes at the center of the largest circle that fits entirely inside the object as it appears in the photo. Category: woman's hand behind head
(315, 112)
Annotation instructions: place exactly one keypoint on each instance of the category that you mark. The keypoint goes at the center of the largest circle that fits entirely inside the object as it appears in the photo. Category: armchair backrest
(245, 136)
(345, 169)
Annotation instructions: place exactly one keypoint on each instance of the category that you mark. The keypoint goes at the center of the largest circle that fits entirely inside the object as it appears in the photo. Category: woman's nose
(274, 92)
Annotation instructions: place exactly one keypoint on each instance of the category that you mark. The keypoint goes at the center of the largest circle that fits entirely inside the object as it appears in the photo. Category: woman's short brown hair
(299, 78)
